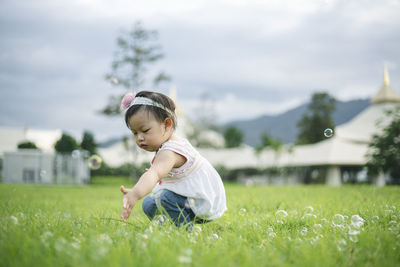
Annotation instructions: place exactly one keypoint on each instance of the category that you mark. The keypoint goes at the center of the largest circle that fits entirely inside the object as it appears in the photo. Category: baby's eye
(145, 131)
(134, 133)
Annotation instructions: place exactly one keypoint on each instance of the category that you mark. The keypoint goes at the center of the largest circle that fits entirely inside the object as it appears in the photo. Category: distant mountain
(284, 126)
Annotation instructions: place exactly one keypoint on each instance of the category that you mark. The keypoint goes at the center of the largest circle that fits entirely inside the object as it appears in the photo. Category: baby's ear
(169, 123)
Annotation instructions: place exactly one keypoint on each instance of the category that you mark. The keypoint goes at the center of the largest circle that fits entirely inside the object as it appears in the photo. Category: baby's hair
(159, 113)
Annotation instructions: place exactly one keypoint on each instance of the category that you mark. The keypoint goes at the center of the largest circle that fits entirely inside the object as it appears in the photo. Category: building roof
(43, 139)
(349, 145)
(386, 94)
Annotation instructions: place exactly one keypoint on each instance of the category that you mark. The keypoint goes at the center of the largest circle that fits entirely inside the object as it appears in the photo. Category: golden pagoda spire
(386, 93)
(386, 81)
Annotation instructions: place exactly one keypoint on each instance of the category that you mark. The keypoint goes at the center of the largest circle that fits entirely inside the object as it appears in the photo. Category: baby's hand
(127, 203)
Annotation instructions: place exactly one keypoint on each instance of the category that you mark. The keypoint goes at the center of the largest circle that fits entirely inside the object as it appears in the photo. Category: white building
(43, 139)
(349, 144)
(39, 166)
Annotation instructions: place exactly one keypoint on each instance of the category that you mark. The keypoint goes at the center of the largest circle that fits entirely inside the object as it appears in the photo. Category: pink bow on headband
(127, 100)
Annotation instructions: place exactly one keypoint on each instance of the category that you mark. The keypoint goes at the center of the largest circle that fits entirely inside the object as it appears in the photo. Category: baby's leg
(174, 205)
(149, 206)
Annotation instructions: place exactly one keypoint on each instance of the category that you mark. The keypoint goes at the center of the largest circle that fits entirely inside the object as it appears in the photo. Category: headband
(130, 100)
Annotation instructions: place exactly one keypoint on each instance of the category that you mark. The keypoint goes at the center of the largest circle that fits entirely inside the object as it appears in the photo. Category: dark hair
(159, 113)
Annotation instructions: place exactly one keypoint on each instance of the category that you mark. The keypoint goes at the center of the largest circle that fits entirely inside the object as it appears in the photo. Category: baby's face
(149, 133)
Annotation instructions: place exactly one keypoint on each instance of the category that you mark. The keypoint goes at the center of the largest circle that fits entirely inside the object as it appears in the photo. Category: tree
(317, 118)
(66, 144)
(88, 143)
(27, 145)
(385, 149)
(233, 137)
(268, 141)
(136, 49)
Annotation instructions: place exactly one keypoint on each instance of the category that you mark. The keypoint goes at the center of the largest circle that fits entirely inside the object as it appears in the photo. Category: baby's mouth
(143, 145)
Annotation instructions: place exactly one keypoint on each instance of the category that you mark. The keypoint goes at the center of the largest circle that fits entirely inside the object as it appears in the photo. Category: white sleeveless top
(196, 179)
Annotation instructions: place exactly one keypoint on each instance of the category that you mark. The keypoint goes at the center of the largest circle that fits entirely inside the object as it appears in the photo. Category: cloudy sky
(251, 57)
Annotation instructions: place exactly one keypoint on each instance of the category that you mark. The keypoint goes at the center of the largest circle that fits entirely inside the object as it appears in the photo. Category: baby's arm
(164, 161)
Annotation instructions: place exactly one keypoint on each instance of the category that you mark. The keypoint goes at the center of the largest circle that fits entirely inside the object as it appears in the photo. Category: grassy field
(264, 226)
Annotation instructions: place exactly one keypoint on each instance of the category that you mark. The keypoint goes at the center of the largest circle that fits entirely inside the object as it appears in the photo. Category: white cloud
(254, 57)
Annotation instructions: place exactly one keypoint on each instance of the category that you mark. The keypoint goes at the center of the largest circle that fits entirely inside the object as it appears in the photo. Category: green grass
(80, 226)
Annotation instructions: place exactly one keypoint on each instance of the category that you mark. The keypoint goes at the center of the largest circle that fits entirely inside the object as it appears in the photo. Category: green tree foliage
(233, 137)
(385, 149)
(27, 145)
(268, 141)
(66, 144)
(136, 50)
(317, 118)
(88, 143)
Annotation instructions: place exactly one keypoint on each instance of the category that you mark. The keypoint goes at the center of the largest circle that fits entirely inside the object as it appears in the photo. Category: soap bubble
(341, 244)
(271, 235)
(357, 221)
(317, 228)
(281, 215)
(354, 231)
(328, 132)
(353, 238)
(338, 220)
(309, 217)
(14, 219)
(375, 219)
(214, 236)
(309, 209)
(95, 162)
(43, 174)
(304, 231)
(242, 211)
(76, 154)
(113, 80)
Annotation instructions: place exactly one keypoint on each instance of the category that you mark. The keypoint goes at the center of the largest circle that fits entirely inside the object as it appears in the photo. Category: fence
(35, 166)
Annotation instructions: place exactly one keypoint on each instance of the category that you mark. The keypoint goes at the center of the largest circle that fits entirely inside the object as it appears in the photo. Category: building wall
(28, 166)
(35, 166)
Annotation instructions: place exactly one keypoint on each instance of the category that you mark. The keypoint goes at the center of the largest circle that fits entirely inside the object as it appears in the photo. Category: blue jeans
(176, 206)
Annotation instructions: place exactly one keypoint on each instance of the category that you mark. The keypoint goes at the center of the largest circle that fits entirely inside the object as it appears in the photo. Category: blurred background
(248, 66)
